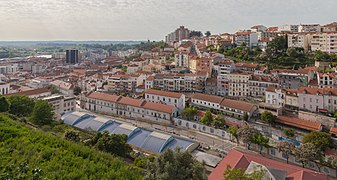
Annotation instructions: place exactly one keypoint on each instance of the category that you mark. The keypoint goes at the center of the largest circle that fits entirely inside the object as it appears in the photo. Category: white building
(64, 87)
(247, 37)
(4, 88)
(165, 97)
(325, 42)
(238, 84)
(309, 28)
(288, 28)
(61, 104)
(299, 40)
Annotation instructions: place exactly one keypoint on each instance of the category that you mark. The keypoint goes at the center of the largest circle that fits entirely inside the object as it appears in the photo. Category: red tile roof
(333, 130)
(31, 92)
(104, 96)
(206, 97)
(163, 93)
(159, 107)
(240, 105)
(300, 123)
(238, 159)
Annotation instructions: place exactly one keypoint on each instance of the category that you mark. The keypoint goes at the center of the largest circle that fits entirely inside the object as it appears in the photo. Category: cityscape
(256, 103)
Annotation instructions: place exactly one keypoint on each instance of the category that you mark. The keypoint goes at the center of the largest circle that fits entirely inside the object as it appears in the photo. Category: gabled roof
(241, 159)
(208, 98)
(300, 123)
(163, 93)
(104, 96)
(240, 105)
(31, 92)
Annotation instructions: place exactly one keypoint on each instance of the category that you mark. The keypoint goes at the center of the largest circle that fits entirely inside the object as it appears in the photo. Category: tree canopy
(268, 117)
(189, 113)
(207, 119)
(42, 113)
(4, 104)
(175, 165)
(286, 147)
(320, 140)
(239, 174)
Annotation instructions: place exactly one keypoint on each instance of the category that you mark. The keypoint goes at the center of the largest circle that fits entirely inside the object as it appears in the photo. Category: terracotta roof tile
(159, 107)
(209, 98)
(31, 92)
(240, 105)
(164, 93)
(300, 123)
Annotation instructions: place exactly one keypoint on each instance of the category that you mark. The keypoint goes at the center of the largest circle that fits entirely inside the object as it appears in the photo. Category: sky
(150, 19)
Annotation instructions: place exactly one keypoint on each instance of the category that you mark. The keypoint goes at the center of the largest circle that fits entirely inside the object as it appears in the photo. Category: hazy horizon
(131, 20)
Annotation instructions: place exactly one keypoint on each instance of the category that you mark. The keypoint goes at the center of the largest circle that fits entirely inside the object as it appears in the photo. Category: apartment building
(317, 99)
(247, 37)
(9, 69)
(165, 97)
(288, 28)
(327, 80)
(129, 107)
(122, 83)
(299, 40)
(178, 35)
(258, 84)
(293, 79)
(63, 87)
(181, 58)
(325, 42)
(329, 27)
(211, 86)
(177, 82)
(309, 28)
(4, 88)
(238, 84)
(61, 104)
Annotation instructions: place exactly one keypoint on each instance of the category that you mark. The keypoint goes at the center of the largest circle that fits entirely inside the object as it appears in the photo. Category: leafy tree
(246, 134)
(233, 130)
(175, 165)
(42, 113)
(72, 135)
(196, 33)
(208, 33)
(142, 162)
(332, 161)
(20, 105)
(260, 140)
(4, 104)
(189, 113)
(321, 140)
(286, 147)
(54, 90)
(239, 174)
(114, 144)
(77, 90)
(268, 117)
(289, 132)
(307, 152)
(219, 121)
(207, 119)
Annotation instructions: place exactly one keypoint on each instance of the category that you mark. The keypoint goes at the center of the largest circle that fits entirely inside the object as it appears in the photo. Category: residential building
(329, 27)
(288, 28)
(165, 97)
(9, 69)
(182, 59)
(309, 28)
(317, 99)
(299, 40)
(61, 104)
(179, 34)
(293, 79)
(325, 42)
(258, 28)
(258, 85)
(238, 84)
(211, 86)
(327, 80)
(273, 169)
(4, 88)
(63, 87)
(122, 83)
(35, 93)
(229, 107)
(247, 37)
(129, 107)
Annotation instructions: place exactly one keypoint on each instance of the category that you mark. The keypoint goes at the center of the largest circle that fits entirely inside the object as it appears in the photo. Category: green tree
(143, 161)
(219, 121)
(77, 90)
(20, 105)
(114, 144)
(332, 161)
(268, 117)
(42, 113)
(72, 135)
(260, 140)
(286, 147)
(289, 132)
(233, 130)
(246, 134)
(4, 104)
(207, 119)
(189, 113)
(196, 33)
(307, 152)
(54, 90)
(208, 33)
(175, 165)
(321, 140)
(239, 174)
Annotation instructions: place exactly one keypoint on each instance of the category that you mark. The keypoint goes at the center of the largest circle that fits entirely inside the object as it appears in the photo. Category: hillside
(32, 154)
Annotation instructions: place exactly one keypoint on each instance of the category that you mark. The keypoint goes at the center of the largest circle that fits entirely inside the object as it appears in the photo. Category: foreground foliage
(175, 165)
(31, 154)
